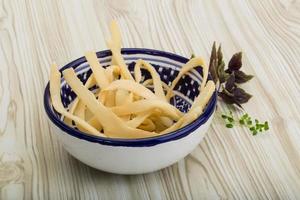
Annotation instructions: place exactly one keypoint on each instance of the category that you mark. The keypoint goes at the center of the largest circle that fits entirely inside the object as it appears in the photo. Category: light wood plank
(228, 164)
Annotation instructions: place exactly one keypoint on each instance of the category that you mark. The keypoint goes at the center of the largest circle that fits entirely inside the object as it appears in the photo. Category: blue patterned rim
(144, 142)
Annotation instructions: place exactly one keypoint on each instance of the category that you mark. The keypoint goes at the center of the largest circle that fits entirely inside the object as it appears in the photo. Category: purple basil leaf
(223, 76)
(220, 56)
(235, 62)
(241, 77)
(213, 63)
(240, 96)
(230, 84)
(226, 98)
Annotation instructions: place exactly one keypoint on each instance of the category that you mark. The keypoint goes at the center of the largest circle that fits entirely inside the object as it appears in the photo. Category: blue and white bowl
(135, 156)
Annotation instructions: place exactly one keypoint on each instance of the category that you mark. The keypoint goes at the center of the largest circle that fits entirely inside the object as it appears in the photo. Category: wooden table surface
(228, 164)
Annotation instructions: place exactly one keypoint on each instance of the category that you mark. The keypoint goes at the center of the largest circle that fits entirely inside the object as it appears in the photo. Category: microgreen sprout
(246, 121)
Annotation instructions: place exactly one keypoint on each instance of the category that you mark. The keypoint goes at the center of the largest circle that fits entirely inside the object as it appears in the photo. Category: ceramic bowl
(135, 156)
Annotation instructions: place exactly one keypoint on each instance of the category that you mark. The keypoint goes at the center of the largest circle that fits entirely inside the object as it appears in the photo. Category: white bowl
(135, 156)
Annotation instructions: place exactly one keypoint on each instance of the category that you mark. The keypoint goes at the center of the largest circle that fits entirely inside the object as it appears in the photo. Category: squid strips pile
(124, 106)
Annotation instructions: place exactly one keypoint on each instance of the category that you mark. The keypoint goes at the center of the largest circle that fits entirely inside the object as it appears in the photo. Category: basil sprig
(229, 79)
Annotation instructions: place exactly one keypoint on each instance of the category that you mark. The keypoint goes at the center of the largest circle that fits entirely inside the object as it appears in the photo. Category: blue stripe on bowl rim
(142, 142)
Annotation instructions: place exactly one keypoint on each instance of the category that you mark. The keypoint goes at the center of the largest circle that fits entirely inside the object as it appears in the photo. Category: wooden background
(228, 164)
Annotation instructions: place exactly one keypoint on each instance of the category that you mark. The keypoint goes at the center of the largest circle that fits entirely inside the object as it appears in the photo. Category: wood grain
(228, 164)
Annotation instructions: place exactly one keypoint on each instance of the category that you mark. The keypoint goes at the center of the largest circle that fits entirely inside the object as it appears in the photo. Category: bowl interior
(185, 91)
(166, 64)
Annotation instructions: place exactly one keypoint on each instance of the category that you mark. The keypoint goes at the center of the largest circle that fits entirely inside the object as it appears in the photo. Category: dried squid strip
(115, 46)
(196, 110)
(157, 83)
(192, 63)
(57, 103)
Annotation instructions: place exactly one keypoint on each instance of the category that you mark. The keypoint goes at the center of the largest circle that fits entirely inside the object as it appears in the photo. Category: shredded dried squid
(124, 106)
